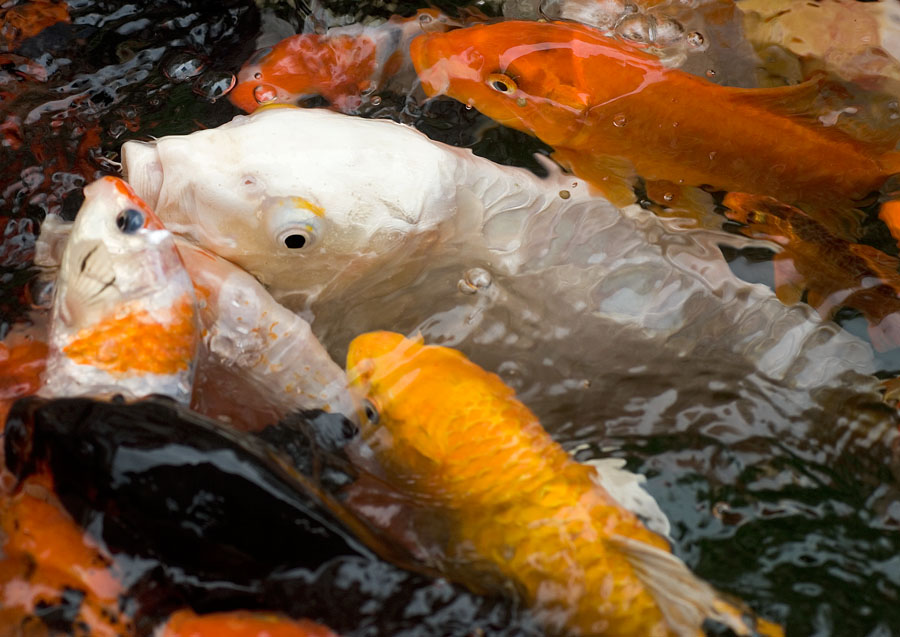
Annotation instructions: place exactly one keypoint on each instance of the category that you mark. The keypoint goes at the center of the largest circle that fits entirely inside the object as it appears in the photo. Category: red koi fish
(833, 272)
(343, 65)
(27, 19)
(612, 112)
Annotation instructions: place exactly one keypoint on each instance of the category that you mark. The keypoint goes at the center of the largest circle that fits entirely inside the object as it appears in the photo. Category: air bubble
(564, 194)
(696, 39)
(710, 73)
(425, 18)
(478, 278)
(181, 67)
(668, 196)
(376, 100)
(620, 120)
(214, 84)
(263, 94)
(637, 28)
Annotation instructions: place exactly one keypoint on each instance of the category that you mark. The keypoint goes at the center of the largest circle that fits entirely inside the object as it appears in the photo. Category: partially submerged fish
(381, 227)
(612, 111)
(833, 272)
(124, 317)
(346, 65)
(513, 503)
(243, 328)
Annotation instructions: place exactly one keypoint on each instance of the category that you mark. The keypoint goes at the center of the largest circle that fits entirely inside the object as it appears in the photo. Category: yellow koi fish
(514, 504)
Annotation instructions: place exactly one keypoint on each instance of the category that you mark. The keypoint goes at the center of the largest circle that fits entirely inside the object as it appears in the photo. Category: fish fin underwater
(686, 601)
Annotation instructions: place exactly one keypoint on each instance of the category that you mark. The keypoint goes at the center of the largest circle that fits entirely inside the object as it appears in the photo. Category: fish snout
(143, 170)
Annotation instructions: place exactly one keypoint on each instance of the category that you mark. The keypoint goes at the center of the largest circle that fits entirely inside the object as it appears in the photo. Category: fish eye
(130, 220)
(297, 238)
(371, 412)
(502, 83)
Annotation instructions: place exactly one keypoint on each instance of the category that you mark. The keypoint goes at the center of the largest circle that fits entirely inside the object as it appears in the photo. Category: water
(790, 502)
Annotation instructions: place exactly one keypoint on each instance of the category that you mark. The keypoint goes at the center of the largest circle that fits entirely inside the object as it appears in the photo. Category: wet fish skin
(186, 623)
(124, 315)
(611, 110)
(515, 503)
(345, 65)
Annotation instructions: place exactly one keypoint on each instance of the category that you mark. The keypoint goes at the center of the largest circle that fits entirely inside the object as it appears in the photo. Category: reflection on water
(761, 434)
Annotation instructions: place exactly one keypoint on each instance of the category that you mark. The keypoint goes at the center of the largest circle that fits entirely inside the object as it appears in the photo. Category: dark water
(804, 527)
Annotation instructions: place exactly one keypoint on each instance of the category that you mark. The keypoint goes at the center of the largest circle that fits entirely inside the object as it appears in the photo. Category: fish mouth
(143, 169)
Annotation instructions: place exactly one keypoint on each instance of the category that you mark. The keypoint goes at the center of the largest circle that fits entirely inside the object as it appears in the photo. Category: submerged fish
(240, 624)
(612, 111)
(124, 316)
(514, 502)
(833, 272)
(346, 65)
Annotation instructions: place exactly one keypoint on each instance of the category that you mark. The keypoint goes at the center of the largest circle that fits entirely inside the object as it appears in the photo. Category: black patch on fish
(63, 615)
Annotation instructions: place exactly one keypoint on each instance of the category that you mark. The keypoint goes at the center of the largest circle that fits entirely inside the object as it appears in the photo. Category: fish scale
(515, 501)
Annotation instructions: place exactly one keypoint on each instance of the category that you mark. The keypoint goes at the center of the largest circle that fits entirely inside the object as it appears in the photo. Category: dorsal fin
(795, 101)
(684, 600)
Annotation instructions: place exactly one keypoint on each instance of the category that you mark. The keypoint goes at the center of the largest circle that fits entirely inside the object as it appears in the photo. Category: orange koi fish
(52, 569)
(124, 317)
(185, 623)
(26, 19)
(612, 111)
(344, 65)
(833, 272)
(515, 505)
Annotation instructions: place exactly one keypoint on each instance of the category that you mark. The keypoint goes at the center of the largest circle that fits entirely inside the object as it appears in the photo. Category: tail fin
(686, 601)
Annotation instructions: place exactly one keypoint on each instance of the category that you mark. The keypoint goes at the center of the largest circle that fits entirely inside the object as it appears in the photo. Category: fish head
(538, 77)
(300, 198)
(417, 397)
(123, 305)
(306, 65)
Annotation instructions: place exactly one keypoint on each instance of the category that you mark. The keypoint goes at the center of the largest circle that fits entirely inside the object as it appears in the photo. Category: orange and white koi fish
(344, 65)
(515, 504)
(612, 111)
(124, 317)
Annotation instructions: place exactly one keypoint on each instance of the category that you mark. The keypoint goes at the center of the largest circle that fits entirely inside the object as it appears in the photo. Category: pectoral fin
(614, 177)
(684, 600)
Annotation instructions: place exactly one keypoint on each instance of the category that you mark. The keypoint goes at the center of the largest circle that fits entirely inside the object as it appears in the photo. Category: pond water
(785, 496)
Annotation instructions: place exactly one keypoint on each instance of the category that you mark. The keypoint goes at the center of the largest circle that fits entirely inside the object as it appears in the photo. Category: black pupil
(294, 241)
(371, 412)
(503, 87)
(130, 220)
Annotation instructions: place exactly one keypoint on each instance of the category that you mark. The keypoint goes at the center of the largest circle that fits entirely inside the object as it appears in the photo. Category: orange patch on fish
(138, 342)
(185, 623)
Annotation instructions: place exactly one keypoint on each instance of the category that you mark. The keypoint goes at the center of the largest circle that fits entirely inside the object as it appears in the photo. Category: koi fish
(52, 569)
(516, 504)
(612, 112)
(185, 623)
(833, 272)
(380, 211)
(26, 19)
(124, 315)
(243, 328)
(346, 65)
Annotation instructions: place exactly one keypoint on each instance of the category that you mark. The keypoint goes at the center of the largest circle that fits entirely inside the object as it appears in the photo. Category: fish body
(124, 314)
(515, 503)
(345, 65)
(247, 337)
(185, 623)
(832, 271)
(392, 221)
(611, 110)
